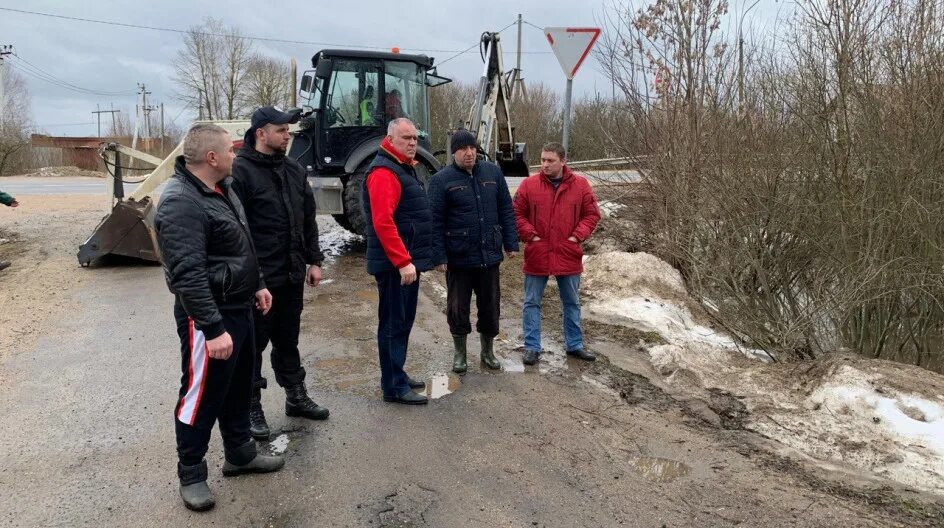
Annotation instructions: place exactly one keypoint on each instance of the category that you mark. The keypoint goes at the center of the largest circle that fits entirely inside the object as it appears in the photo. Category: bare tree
(211, 69)
(267, 81)
(15, 121)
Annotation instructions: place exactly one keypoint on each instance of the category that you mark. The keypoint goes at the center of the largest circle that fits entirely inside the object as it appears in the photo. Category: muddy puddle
(440, 385)
(659, 469)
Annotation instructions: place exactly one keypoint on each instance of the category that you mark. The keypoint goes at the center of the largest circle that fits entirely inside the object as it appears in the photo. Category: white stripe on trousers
(198, 367)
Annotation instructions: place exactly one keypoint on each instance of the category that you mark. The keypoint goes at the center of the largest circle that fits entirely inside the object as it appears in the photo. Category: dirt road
(89, 368)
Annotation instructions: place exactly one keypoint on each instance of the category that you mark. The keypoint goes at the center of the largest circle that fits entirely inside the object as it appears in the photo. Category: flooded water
(442, 385)
(659, 469)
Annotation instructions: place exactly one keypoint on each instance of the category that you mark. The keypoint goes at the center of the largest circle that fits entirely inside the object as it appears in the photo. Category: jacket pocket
(457, 241)
(573, 251)
(497, 239)
(221, 280)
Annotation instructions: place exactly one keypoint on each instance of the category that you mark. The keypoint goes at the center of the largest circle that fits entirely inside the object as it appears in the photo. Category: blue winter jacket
(473, 218)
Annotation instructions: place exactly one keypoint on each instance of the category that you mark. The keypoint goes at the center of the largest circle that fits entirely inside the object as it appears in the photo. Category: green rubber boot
(459, 360)
(488, 352)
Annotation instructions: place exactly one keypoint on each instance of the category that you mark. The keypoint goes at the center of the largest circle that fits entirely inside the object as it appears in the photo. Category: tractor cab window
(353, 99)
(405, 94)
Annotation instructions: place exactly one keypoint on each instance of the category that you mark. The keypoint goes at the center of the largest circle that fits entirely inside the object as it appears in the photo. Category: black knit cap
(461, 138)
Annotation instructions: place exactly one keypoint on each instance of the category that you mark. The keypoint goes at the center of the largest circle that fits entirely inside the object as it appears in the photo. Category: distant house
(82, 152)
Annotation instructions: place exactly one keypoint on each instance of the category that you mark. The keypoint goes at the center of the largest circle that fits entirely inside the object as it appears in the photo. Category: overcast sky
(111, 58)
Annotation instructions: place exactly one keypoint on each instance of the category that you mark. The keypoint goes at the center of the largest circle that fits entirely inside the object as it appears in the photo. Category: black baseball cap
(273, 115)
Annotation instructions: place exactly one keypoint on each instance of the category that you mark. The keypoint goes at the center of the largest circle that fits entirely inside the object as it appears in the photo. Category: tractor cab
(352, 96)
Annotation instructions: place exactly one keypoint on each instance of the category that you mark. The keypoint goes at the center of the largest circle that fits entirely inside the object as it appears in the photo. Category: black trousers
(485, 283)
(214, 390)
(281, 326)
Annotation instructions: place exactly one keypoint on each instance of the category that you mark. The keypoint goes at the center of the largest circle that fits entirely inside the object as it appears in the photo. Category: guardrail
(605, 162)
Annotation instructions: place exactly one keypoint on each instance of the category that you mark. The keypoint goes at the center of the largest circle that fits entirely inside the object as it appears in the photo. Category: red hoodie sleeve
(384, 190)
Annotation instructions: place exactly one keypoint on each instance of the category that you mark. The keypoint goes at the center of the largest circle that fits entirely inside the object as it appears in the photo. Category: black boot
(583, 354)
(193, 487)
(488, 352)
(297, 403)
(258, 427)
(459, 359)
(4, 264)
(257, 463)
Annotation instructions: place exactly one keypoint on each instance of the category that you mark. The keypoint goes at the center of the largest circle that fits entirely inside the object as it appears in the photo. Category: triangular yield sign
(571, 46)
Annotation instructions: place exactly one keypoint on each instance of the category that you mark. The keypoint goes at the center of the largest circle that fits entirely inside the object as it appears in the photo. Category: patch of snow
(905, 418)
(279, 445)
(608, 209)
(881, 417)
(333, 238)
(643, 292)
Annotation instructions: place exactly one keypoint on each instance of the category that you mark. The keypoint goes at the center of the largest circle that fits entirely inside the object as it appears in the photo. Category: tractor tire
(355, 221)
(353, 203)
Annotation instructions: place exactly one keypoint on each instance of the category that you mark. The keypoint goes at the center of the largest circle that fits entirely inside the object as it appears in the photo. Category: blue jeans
(396, 313)
(569, 286)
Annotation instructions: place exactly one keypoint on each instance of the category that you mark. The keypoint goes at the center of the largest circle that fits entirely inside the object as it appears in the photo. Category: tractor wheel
(353, 194)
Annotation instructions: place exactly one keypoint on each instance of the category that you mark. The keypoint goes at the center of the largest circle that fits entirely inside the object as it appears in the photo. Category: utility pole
(162, 129)
(6, 49)
(517, 82)
(98, 112)
(146, 111)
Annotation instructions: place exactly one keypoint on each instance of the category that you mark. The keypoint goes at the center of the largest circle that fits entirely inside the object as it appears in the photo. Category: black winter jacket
(473, 218)
(280, 207)
(209, 261)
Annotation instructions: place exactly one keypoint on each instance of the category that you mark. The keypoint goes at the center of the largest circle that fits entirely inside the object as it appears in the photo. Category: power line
(206, 33)
(245, 37)
(65, 124)
(37, 72)
(476, 45)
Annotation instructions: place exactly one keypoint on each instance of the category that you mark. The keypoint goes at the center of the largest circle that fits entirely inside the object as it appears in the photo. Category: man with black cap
(280, 208)
(473, 221)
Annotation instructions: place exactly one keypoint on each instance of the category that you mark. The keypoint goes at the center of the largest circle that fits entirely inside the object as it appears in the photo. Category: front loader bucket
(128, 231)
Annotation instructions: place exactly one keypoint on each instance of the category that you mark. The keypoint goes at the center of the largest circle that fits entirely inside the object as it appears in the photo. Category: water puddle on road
(659, 469)
(552, 362)
(510, 364)
(441, 385)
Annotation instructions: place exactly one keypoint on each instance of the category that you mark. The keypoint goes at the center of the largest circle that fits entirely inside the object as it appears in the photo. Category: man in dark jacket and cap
(473, 221)
(280, 208)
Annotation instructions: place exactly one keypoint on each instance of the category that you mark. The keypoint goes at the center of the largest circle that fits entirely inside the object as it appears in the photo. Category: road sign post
(571, 46)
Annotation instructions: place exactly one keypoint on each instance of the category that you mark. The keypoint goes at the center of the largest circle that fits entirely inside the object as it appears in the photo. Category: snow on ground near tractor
(881, 417)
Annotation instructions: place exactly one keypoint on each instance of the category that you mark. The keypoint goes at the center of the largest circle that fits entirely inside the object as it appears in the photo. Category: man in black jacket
(473, 220)
(211, 268)
(280, 207)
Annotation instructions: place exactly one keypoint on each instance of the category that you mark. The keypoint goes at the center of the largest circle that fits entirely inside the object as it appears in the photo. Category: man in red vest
(556, 212)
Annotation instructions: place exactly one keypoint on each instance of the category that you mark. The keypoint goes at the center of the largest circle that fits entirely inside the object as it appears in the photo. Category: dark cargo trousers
(461, 283)
(214, 389)
(281, 326)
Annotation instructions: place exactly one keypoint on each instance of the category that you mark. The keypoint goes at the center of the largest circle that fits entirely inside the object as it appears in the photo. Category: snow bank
(881, 417)
(643, 292)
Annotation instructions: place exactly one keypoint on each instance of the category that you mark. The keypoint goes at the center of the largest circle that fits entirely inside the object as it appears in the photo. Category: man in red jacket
(556, 212)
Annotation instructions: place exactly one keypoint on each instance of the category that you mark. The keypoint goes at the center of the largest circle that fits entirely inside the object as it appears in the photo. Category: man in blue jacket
(473, 221)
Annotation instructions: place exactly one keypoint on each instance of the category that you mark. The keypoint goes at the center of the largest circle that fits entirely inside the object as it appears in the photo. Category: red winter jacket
(554, 216)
